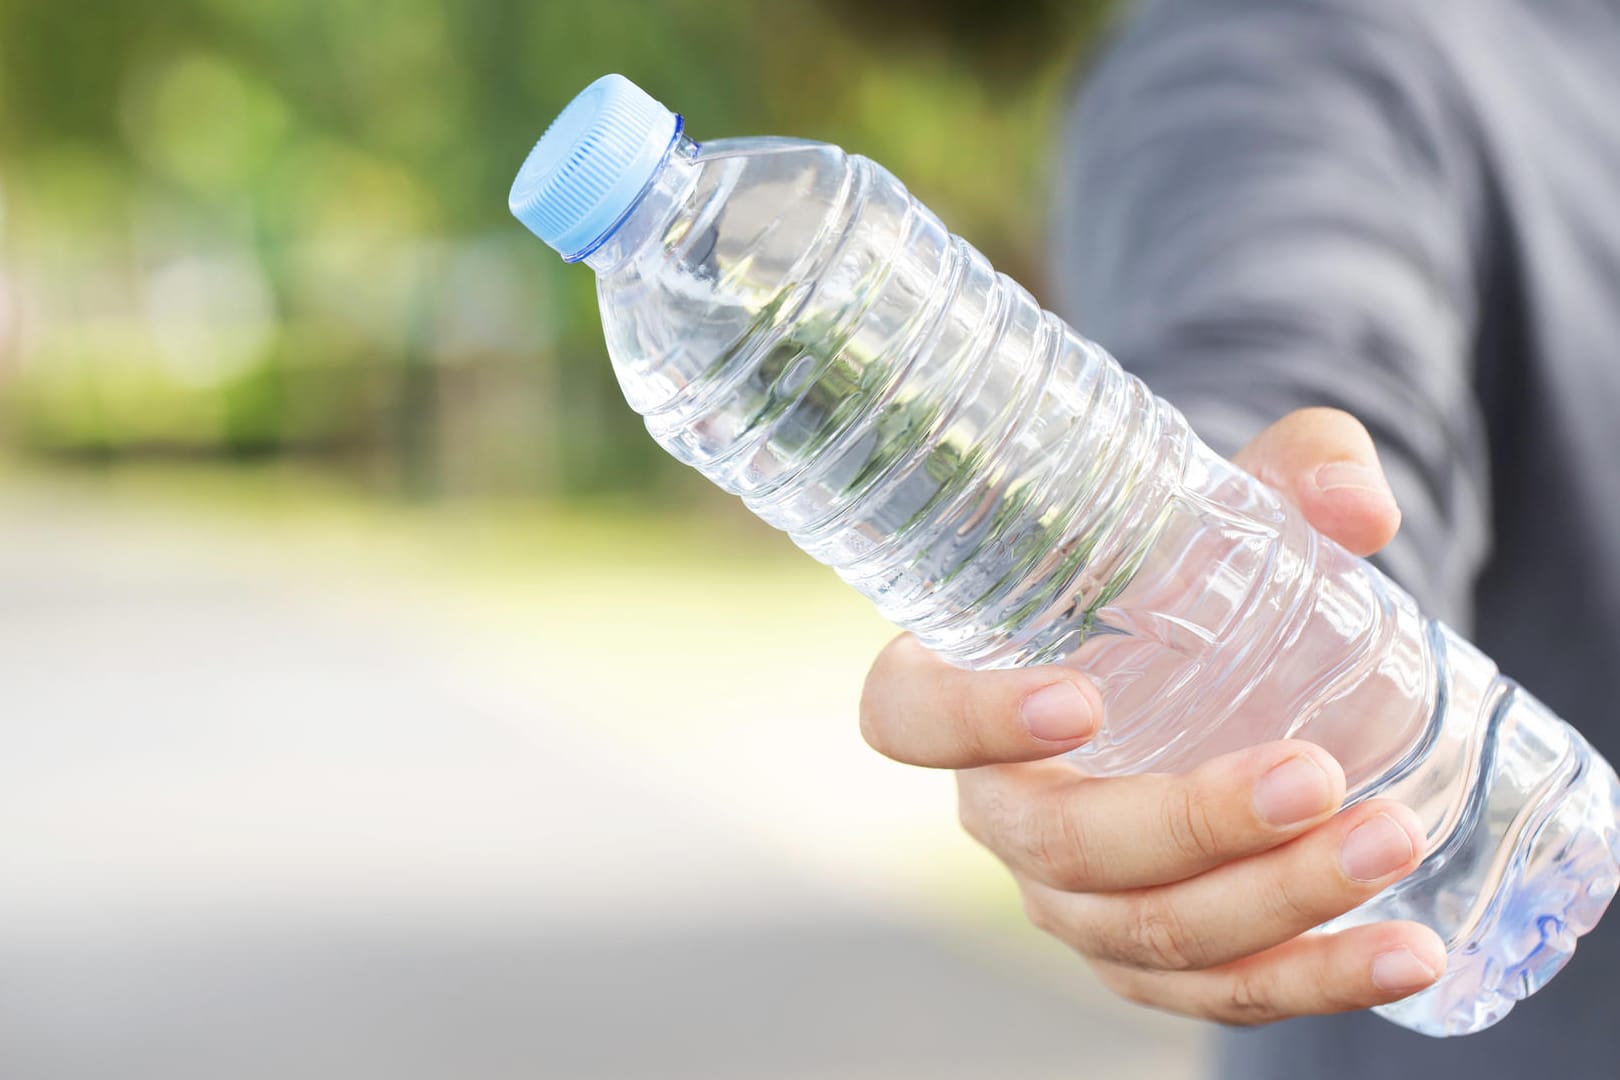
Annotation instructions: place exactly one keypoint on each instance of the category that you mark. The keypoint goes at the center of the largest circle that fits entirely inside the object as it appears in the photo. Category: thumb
(1323, 460)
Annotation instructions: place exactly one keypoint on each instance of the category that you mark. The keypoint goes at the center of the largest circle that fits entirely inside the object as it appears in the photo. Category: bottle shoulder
(740, 233)
(763, 146)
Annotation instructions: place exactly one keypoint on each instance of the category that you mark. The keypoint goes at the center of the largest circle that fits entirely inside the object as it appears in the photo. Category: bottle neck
(649, 217)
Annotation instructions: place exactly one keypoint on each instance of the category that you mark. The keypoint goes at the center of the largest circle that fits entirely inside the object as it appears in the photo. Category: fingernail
(1400, 969)
(1351, 476)
(1295, 791)
(1377, 847)
(1058, 713)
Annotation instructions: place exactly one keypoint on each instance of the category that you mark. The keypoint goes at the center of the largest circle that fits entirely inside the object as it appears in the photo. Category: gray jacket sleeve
(1262, 207)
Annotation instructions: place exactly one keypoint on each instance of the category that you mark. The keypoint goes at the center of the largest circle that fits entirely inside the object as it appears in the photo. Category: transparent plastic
(793, 324)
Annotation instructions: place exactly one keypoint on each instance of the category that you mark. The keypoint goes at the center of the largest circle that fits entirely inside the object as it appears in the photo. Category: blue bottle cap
(592, 163)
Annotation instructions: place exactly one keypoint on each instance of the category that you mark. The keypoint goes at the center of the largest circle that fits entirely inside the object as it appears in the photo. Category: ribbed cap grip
(591, 164)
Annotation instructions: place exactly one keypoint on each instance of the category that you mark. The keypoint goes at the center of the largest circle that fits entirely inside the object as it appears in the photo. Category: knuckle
(1191, 825)
(983, 809)
(1244, 1002)
(1286, 902)
(1039, 913)
(974, 813)
(966, 817)
(1157, 936)
(1057, 845)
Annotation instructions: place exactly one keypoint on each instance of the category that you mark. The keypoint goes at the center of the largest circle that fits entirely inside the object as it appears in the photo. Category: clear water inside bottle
(793, 324)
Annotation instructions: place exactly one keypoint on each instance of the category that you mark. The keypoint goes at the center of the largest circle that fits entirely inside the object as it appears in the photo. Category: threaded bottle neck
(648, 218)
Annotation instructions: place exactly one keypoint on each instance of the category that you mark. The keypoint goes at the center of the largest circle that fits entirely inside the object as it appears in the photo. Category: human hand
(1193, 893)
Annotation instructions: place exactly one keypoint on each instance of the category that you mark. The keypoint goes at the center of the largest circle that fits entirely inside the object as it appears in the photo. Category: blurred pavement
(262, 816)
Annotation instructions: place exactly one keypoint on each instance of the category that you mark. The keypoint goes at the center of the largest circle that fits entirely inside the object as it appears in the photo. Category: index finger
(1325, 462)
(917, 709)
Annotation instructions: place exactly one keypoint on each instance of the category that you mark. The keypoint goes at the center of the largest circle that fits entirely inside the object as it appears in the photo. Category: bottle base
(1555, 886)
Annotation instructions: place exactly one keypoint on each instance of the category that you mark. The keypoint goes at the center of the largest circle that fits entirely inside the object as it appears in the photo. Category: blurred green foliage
(251, 228)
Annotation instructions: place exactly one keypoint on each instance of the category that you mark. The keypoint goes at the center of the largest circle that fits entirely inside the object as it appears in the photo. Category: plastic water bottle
(797, 327)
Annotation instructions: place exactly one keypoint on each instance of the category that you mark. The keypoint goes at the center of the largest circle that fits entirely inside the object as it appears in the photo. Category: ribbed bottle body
(798, 328)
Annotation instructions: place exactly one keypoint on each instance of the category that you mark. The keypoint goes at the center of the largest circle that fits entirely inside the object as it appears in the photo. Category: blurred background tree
(276, 230)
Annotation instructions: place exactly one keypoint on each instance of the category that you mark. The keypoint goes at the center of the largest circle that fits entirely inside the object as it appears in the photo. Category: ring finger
(1241, 907)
